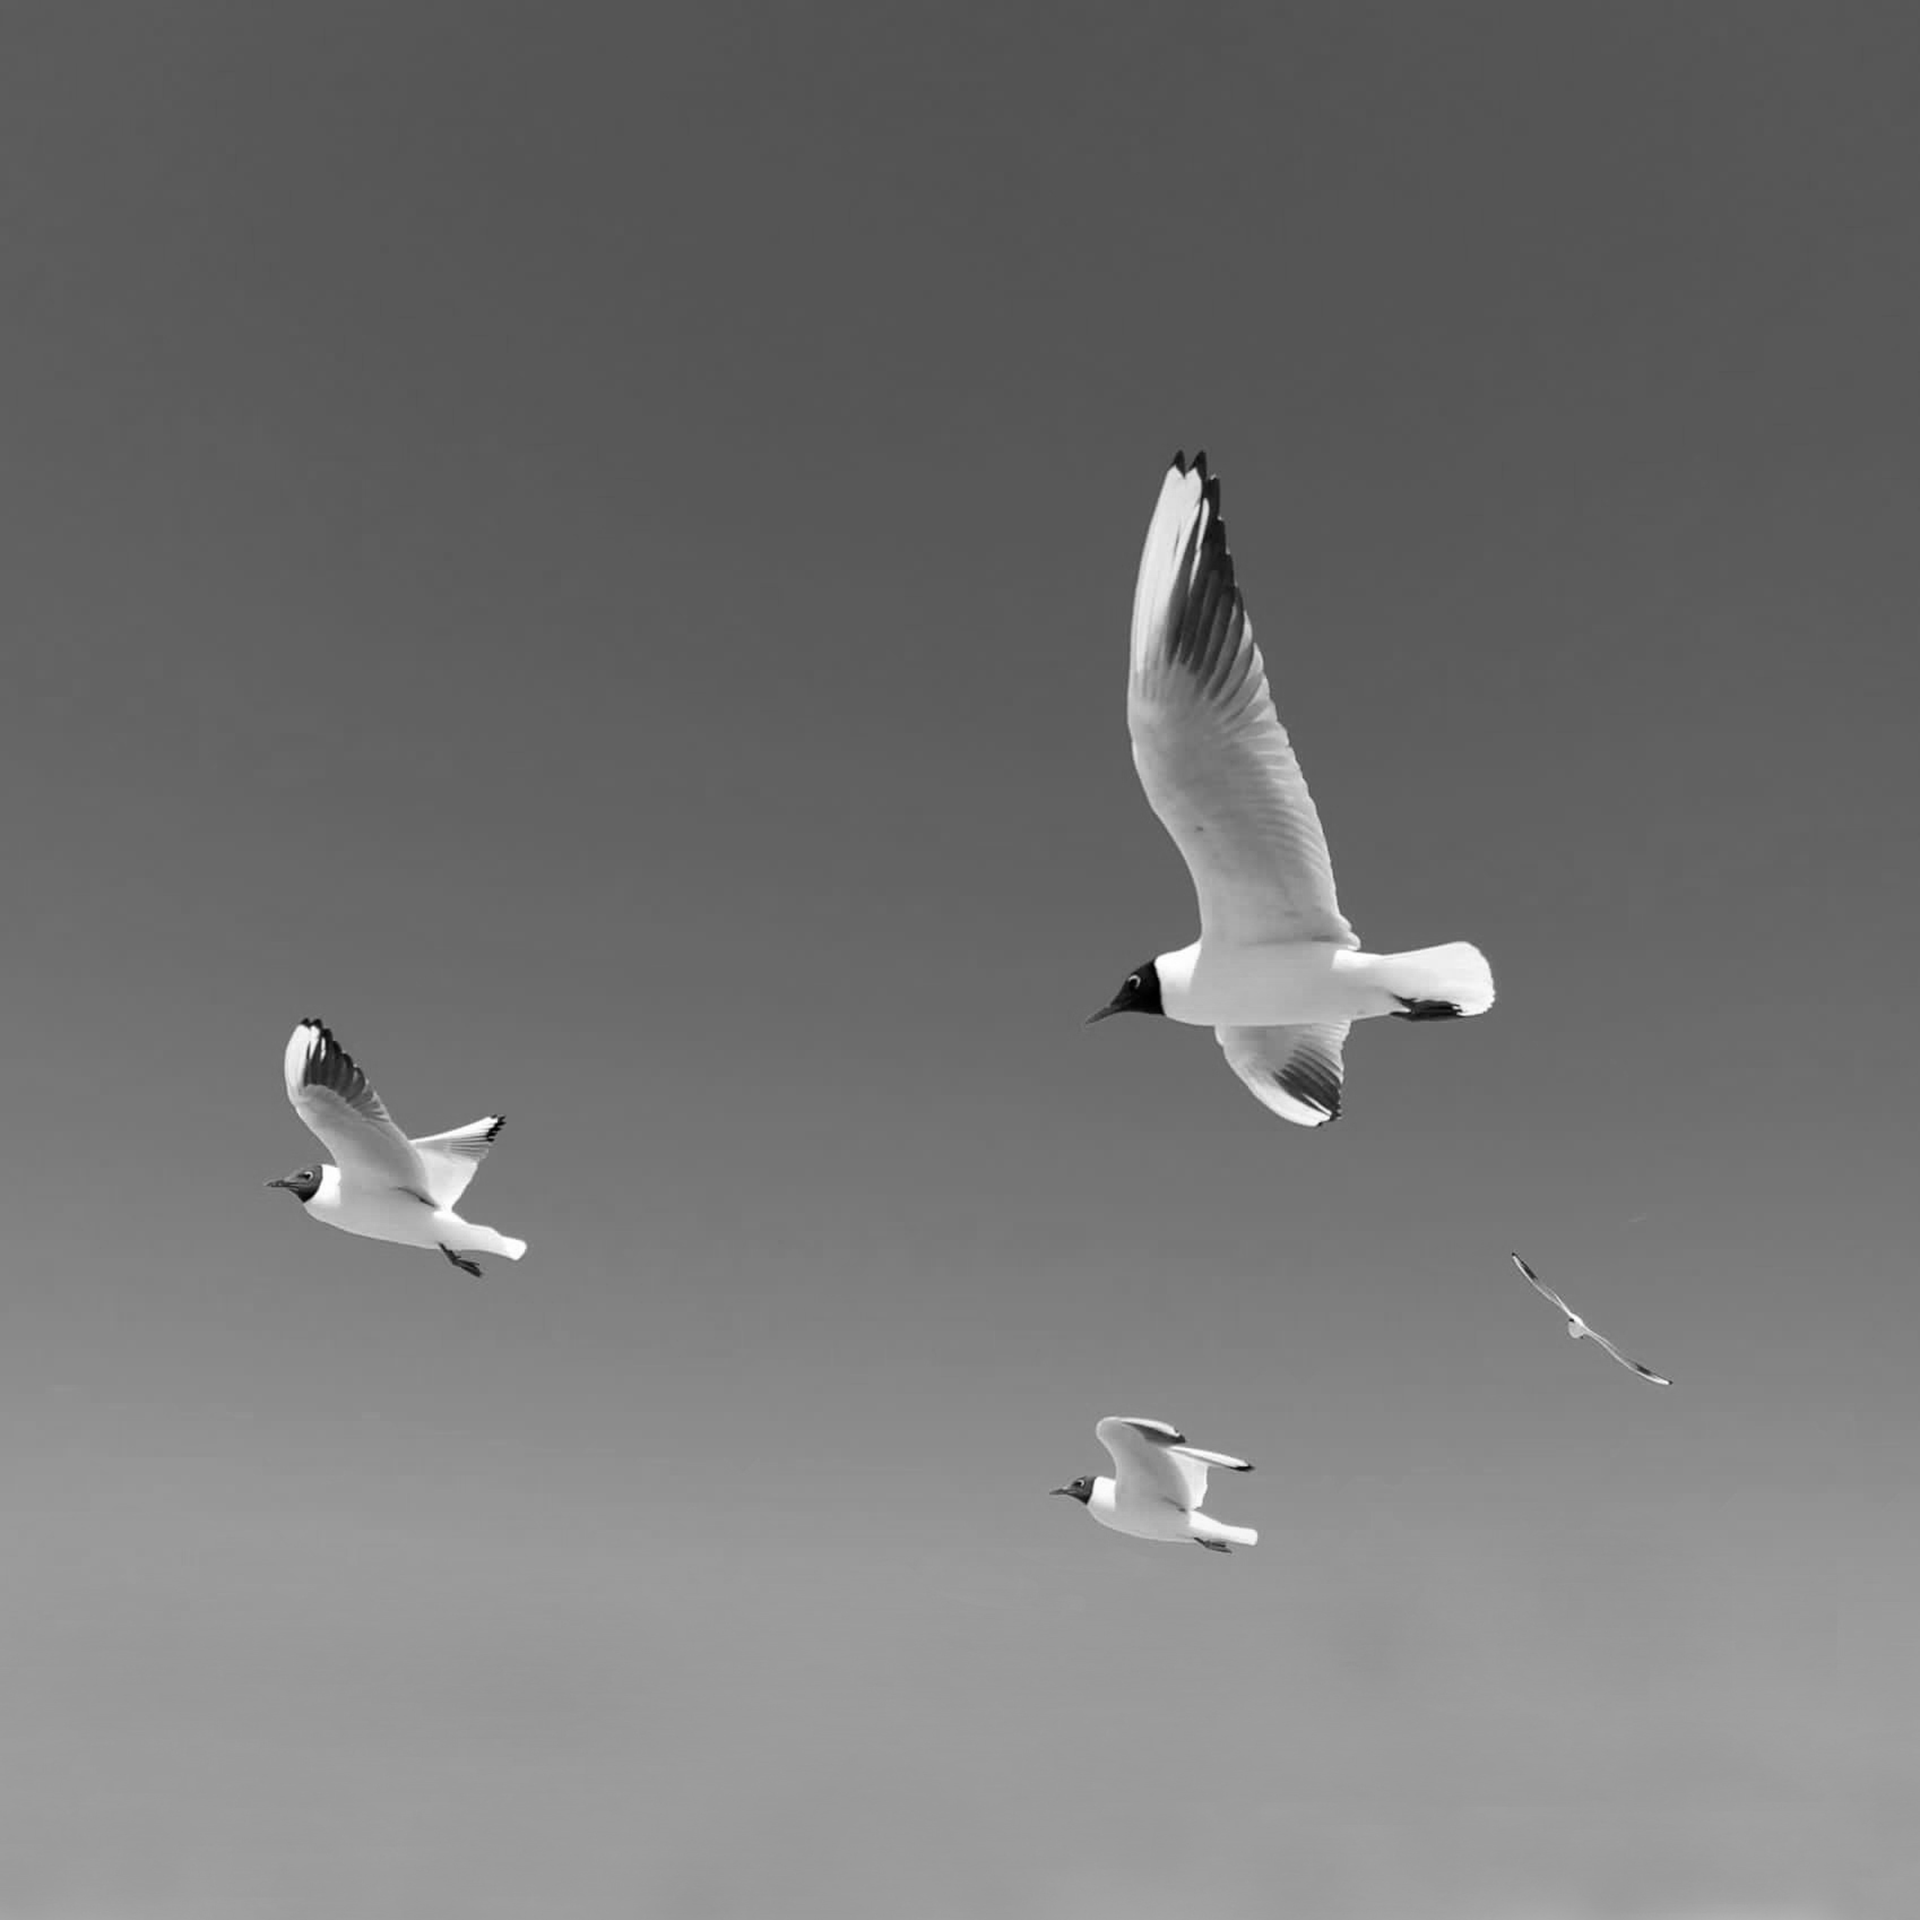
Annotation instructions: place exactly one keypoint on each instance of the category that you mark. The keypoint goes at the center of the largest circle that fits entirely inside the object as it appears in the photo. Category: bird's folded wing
(1145, 1463)
(1297, 1071)
(451, 1159)
(331, 1094)
(1211, 753)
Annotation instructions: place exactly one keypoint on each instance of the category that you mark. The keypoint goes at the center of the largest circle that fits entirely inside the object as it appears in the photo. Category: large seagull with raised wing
(385, 1186)
(1276, 972)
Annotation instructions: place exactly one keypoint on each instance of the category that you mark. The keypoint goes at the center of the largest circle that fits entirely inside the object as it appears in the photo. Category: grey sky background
(591, 548)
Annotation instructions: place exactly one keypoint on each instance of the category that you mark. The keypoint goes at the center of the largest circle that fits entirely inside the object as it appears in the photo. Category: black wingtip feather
(331, 1066)
(1207, 624)
(1313, 1083)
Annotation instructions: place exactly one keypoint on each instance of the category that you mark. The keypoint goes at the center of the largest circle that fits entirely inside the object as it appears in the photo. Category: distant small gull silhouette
(1579, 1329)
(1158, 1485)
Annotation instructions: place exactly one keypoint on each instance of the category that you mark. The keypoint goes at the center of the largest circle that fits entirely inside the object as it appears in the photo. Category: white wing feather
(1210, 750)
(1143, 1461)
(340, 1107)
(451, 1159)
(1194, 1462)
(1150, 1456)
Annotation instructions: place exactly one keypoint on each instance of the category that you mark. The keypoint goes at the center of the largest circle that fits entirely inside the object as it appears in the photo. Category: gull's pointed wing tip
(1645, 1373)
(1158, 1431)
(1632, 1366)
(1542, 1289)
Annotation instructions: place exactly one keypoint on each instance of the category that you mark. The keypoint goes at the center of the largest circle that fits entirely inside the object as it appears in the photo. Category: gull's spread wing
(1296, 1071)
(1150, 1456)
(1193, 1462)
(1144, 1461)
(1211, 752)
(348, 1118)
(1645, 1373)
(451, 1159)
(1539, 1286)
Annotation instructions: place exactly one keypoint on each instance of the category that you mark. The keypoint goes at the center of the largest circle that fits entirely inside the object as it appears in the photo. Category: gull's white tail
(1216, 1533)
(486, 1240)
(1437, 983)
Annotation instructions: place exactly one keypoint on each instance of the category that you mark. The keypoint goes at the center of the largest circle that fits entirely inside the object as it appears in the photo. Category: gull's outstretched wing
(451, 1159)
(1152, 1454)
(1634, 1366)
(1193, 1462)
(348, 1118)
(1211, 752)
(1144, 1461)
(1539, 1285)
(1296, 1071)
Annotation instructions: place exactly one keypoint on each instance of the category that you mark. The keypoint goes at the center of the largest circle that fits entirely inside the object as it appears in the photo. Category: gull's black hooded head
(1081, 1489)
(302, 1185)
(1139, 993)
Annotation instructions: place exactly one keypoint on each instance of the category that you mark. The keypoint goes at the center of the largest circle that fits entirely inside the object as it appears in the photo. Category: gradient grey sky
(591, 546)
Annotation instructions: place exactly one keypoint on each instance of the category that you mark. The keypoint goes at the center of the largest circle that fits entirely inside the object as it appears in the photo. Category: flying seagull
(1277, 972)
(1579, 1329)
(1157, 1486)
(385, 1186)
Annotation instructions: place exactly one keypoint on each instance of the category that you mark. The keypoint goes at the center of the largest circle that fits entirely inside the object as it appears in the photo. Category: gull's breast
(1295, 984)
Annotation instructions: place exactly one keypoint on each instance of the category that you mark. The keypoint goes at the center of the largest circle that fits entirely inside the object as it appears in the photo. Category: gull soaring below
(1579, 1329)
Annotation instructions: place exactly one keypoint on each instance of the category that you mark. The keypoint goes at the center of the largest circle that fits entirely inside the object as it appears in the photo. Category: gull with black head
(1157, 1486)
(1277, 971)
(384, 1186)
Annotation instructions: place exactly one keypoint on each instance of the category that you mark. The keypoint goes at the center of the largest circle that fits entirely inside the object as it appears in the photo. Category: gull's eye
(1133, 979)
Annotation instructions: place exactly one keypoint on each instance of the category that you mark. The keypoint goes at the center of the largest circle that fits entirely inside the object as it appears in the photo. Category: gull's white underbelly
(389, 1215)
(1270, 986)
(1144, 1516)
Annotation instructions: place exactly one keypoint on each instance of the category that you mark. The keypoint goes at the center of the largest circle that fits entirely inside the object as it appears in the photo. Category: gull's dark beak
(1054, 1490)
(1112, 1007)
(283, 1181)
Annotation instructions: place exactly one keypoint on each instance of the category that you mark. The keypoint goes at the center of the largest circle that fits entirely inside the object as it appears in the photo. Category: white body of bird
(1289, 983)
(1146, 1516)
(1157, 1486)
(387, 1214)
